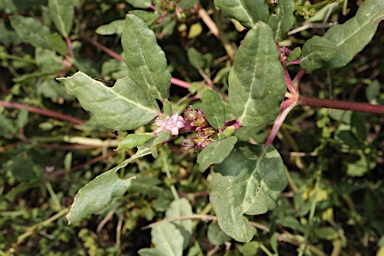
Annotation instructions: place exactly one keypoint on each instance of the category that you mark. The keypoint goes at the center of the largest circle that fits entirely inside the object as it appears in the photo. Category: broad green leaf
(215, 235)
(48, 60)
(62, 12)
(249, 249)
(316, 52)
(12, 6)
(146, 61)
(31, 31)
(256, 82)
(247, 12)
(123, 107)
(352, 36)
(57, 43)
(22, 168)
(248, 181)
(149, 17)
(215, 152)
(115, 27)
(134, 140)
(100, 192)
(167, 239)
(213, 108)
(195, 58)
(139, 3)
(281, 21)
(187, 4)
(181, 207)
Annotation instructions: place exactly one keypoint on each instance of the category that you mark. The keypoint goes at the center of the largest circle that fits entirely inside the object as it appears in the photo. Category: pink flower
(169, 123)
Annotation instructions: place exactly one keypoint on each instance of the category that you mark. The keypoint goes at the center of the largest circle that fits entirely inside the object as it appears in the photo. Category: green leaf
(256, 81)
(139, 3)
(31, 31)
(213, 108)
(195, 58)
(181, 207)
(62, 12)
(146, 61)
(149, 17)
(57, 43)
(22, 169)
(97, 195)
(100, 192)
(352, 36)
(123, 107)
(134, 140)
(187, 4)
(248, 181)
(215, 235)
(158, 141)
(247, 12)
(22, 118)
(359, 126)
(48, 60)
(115, 27)
(295, 54)
(7, 127)
(316, 52)
(215, 152)
(372, 92)
(167, 239)
(282, 20)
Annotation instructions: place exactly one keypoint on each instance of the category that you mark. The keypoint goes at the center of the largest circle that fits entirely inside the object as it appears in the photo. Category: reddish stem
(69, 45)
(338, 104)
(43, 112)
(117, 56)
(288, 81)
(298, 77)
(105, 49)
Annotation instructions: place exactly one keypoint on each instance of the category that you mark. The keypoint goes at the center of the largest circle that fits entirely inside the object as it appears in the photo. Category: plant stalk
(343, 105)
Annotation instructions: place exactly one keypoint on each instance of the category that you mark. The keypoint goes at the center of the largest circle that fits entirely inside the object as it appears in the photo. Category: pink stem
(288, 81)
(40, 111)
(278, 122)
(298, 77)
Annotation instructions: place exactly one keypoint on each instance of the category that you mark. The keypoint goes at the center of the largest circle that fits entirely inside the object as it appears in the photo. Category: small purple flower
(169, 123)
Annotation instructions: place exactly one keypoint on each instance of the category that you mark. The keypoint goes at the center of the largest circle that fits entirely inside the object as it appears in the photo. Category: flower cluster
(202, 139)
(191, 121)
(169, 123)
